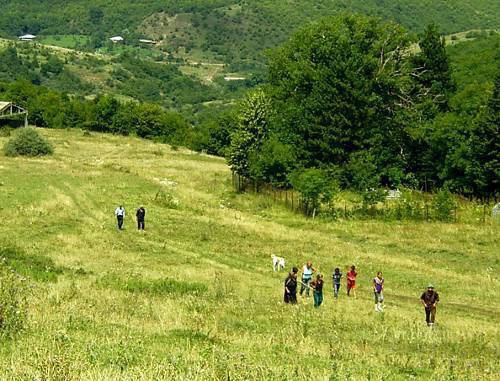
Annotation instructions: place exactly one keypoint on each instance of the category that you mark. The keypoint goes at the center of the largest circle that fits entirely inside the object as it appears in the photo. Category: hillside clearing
(194, 297)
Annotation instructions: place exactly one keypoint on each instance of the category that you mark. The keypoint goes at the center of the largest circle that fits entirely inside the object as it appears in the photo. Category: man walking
(430, 299)
(141, 215)
(120, 215)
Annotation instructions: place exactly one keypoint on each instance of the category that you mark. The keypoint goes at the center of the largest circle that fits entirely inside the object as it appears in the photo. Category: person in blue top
(337, 277)
(307, 274)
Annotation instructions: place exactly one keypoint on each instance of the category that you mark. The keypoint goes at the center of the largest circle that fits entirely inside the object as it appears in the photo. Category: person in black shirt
(429, 299)
(141, 215)
(317, 285)
(291, 287)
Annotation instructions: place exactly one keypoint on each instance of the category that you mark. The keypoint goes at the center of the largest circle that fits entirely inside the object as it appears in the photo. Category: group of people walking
(140, 214)
(308, 282)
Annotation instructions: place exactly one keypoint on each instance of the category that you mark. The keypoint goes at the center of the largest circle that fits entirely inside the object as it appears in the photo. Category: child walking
(337, 277)
(317, 286)
(378, 288)
(351, 281)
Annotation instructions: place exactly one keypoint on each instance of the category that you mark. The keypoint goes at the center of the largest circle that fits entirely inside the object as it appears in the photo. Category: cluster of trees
(39, 67)
(52, 109)
(347, 103)
(150, 81)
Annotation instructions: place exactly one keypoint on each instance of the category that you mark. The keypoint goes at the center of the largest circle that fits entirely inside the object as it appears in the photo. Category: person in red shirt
(351, 281)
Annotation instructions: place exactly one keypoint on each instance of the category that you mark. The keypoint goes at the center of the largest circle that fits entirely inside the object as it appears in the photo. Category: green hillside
(227, 30)
(194, 296)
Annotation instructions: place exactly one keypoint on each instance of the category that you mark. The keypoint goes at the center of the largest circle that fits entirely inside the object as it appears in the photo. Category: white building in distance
(116, 39)
(144, 41)
(27, 37)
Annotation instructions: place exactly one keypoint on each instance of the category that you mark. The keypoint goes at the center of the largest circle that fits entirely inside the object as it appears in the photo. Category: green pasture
(194, 297)
(70, 41)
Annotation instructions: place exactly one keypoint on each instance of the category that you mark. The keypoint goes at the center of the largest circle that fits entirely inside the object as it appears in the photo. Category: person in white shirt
(120, 215)
(307, 274)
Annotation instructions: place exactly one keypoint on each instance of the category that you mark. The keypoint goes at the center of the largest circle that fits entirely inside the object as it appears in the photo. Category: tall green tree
(252, 129)
(485, 145)
(433, 71)
(339, 86)
(433, 88)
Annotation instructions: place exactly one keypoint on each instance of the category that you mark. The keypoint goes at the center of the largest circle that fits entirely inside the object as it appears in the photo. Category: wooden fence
(476, 212)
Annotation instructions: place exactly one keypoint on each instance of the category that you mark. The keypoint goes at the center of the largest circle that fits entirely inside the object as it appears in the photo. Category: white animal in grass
(278, 262)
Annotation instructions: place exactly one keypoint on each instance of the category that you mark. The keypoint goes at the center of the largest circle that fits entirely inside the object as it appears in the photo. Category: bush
(5, 131)
(315, 187)
(13, 302)
(408, 207)
(443, 206)
(28, 142)
(165, 198)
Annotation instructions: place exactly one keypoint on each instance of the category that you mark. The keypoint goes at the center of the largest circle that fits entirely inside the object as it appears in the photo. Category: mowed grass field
(194, 297)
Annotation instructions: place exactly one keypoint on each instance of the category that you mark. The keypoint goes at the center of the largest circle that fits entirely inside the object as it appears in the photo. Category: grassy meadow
(194, 297)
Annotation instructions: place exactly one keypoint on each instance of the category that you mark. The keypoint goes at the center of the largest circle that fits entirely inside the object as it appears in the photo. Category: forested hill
(231, 30)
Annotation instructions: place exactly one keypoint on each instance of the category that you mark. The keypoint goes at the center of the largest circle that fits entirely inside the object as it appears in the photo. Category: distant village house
(27, 37)
(144, 41)
(116, 39)
(230, 78)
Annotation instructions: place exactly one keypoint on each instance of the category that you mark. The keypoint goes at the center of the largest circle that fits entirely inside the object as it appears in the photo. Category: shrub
(13, 302)
(443, 206)
(5, 131)
(165, 198)
(315, 187)
(373, 196)
(27, 142)
(408, 207)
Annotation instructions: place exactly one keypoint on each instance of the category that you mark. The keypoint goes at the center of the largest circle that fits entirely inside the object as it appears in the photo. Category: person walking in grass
(141, 215)
(317, 286)
(378, 288)
(351, 281)
(430, 299)
(291, 287)
(307, 274)
(120, 215)
(337, 277)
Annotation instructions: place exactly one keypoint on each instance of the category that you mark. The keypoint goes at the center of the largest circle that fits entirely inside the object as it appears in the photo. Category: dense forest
(346, 105)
